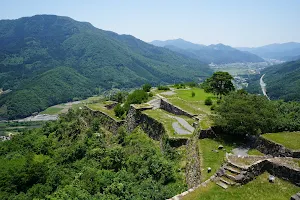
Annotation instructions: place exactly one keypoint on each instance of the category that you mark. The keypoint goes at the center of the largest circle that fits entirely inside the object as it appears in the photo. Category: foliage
(73, 159)
(179, 86)
(193, 93)
(119, 110)
(147, 87)
(241, 113)
(208, 101)
(31, 47)
(136, 97)
(163, 87)
(119, 96)
(282, 81)
(246, 114)
(219, 84)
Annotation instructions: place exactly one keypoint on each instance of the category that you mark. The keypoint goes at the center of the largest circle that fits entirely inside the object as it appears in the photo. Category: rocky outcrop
(165, 105)
(106, 121)
(269, 147)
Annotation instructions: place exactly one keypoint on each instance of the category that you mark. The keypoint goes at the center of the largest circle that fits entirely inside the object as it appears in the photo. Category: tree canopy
(220, 83)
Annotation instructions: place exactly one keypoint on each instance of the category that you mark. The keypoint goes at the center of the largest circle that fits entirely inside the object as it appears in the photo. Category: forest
(74, 158)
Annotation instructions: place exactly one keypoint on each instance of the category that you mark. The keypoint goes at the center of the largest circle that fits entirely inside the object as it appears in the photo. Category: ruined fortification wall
(106, 121)
(274, 149)
(174, 109)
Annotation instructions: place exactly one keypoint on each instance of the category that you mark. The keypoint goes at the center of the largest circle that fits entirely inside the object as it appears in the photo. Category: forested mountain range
(48, 59)
(283, 81)
(218, 53)
(285, 51)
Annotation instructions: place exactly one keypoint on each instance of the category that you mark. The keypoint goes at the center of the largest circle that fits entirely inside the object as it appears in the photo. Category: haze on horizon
(248, 23)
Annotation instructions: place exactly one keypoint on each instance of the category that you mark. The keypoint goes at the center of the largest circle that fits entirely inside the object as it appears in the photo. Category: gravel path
(240, 151)
(179, 130)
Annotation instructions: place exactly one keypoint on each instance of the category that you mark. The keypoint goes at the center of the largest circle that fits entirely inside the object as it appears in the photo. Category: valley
(149, 100)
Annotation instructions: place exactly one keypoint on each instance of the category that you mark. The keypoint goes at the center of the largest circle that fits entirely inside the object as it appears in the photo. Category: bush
(137, 97)
(191, 84)
(193, 94)
(179, 86)
(150, 94)
(208, 101)
(147, 87)
(119, 110)
(161, 87)
(213, 107)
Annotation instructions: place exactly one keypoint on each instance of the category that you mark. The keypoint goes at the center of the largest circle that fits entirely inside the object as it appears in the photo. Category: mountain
(282, 81)
(218, 53)
(284, 51)
(48, 59)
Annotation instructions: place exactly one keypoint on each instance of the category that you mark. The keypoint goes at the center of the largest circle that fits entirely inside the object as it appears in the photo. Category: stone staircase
(228, 175)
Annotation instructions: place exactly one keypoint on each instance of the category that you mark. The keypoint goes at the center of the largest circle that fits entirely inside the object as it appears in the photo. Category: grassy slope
(52, 110)
(290, 140)
(211, 158)
(258, 189)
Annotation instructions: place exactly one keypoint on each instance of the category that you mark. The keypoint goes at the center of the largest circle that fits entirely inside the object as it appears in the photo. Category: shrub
(208, 101)
(213, 107)
(161, 87)
(147, 87)
(193, 94)
(119, 110)
(150, 94)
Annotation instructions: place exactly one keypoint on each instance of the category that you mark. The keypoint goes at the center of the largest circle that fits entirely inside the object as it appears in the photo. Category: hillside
(283, 81)
(31, 46)
(284, 51)
(218, 54)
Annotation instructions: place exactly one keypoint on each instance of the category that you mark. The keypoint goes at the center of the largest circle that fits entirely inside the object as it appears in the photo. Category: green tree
(119, 110)
(147, 87)
(219, 84)
(246, 114)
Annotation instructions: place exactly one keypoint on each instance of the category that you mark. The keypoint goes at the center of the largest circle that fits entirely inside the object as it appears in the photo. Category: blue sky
(232, 22)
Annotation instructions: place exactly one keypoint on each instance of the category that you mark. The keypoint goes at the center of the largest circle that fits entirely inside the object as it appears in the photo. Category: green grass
(211, 158)
(100, 107)
(186, 94)
(52, 110)
(255, 152)
(162, 116)
(258, 189)
(290, 140)
(193, 107)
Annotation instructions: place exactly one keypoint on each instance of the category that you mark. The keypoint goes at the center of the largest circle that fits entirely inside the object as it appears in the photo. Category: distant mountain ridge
(44, 56)
(284, 51)
(282, 81)
(216, 53)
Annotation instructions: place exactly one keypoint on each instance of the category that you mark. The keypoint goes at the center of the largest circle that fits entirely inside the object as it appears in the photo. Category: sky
(238, 23)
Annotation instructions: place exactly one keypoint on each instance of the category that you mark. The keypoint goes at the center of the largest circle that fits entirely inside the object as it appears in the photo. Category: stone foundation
(174, 109)
(274, 149)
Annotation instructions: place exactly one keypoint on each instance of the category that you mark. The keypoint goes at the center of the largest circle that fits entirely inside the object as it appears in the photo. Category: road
(263, 86)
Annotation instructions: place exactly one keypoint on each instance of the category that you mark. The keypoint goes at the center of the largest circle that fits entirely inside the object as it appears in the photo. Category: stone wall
(174, 109)
(207, 133)
(285, 172)
(274, 149)
(152, 127)
(106, 121)
(177, 142)
(192, 169)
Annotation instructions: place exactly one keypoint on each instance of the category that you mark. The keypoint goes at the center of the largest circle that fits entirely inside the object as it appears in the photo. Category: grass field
(100, 107)
(290, 140)
(210, 158)
(52, 110)
(258, 189)
(255, 152)
(164, 117)
(186, 94)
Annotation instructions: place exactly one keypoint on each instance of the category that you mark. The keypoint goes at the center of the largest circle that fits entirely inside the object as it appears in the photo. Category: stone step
(229, 175)
(222, 184)
(227, 180)
(233, 169)
(234, 166)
